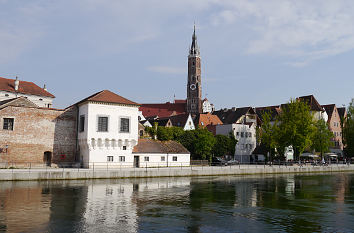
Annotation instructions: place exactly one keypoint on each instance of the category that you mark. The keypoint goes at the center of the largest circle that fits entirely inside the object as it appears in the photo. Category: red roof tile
(154, 146)
(163, 110)
(108, 97)
(24, 88)
(208, 119)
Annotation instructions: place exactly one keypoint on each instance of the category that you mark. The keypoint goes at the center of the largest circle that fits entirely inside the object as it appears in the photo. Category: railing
(202, 164)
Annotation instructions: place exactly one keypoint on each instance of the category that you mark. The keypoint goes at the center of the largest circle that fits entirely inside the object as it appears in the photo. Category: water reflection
(291, 203)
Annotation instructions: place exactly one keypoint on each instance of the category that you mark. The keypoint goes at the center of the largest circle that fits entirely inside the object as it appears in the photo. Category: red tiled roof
(154, 146)
(180, 101)
(106, 96)
(24, 88)
(208, 119)
(163, 110)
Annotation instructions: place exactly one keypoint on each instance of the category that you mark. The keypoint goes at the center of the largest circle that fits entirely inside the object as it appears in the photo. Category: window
(6, 95)
(8, 124)
(82, 123)
(146, 158)
(124, 147)
(141, 132)
(40, 99)
(121, 158)
(102, 124)
(246, 134)
(242, 134)
(237, 134)
(250, 134)
(174, 158)
(124, 125)
(162, 158)
(109, 158)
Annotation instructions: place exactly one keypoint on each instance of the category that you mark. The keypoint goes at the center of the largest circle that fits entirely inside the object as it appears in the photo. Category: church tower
(194, 84)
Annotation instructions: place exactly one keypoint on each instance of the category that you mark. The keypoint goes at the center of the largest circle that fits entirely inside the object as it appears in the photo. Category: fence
(193, 164)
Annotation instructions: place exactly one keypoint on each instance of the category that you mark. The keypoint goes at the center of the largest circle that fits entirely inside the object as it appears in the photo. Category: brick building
(31, 134)
(334, 125)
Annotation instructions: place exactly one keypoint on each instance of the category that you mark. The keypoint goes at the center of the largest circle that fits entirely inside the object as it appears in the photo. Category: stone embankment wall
(71, 173)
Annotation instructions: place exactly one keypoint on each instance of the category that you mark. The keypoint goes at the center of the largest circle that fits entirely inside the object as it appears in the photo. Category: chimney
(44, 87)
(17, 83)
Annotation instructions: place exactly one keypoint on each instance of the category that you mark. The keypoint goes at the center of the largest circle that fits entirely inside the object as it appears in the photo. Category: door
(48, 158)
(136, 161)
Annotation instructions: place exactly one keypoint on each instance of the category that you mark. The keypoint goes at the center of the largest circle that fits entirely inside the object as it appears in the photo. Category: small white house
(154, 153)
(207, 106)
(246, 137)
(14, 88)
(108, 130)
(184, 121)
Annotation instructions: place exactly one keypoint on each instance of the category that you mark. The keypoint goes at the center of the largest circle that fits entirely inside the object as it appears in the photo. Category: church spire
(194, 51)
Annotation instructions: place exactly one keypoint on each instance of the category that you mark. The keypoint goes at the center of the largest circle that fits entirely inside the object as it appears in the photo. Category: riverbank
(75, 174)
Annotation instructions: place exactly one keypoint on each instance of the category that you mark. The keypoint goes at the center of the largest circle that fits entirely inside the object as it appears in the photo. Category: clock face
(192, 87)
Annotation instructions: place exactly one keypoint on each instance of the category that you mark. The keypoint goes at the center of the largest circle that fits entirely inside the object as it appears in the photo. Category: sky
(254, 52)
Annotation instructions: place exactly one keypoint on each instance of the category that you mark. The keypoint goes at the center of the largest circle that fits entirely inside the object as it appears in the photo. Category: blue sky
(254, 52)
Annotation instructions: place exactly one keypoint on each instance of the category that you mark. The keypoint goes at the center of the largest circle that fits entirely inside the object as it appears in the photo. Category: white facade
(40, 101)
(318, 115)
(207, 106)
(189, 124)
(246, 137)
(162, 159)
(113, 146)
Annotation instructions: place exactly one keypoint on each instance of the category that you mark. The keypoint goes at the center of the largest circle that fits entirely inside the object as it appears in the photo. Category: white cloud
(167, 69)
(301, 29)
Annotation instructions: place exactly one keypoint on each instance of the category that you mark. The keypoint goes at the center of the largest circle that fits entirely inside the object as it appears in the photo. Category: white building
(108, 136)
(108, 129)
(184, 121)
(153, 153)
(207, 106)
(246, 139)
(13, 88)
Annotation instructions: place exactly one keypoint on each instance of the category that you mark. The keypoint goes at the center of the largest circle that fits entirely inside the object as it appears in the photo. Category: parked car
(216, 161)
(232, 162)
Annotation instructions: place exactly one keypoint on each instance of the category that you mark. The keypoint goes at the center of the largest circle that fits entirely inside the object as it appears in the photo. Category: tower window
(193, 63)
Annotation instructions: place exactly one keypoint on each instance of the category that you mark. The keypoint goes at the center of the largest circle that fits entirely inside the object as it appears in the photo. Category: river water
(272, 203)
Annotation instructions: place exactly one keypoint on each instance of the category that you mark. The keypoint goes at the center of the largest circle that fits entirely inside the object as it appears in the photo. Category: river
(269, 203)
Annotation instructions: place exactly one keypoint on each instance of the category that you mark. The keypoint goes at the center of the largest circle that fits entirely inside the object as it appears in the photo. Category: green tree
(224, 145)
(295, 127)
(268, 133)
(204, 144)
(322, 137)
(348, 131)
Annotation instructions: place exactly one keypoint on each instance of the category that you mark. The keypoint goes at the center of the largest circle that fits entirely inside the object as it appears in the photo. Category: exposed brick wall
(334, 125)
(37, 131)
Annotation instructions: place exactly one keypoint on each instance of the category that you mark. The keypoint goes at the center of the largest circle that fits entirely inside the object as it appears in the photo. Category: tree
(348, 131)
(224, 145)
(322, 137)
(295, 127)
(204, 144)
(267, 133)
